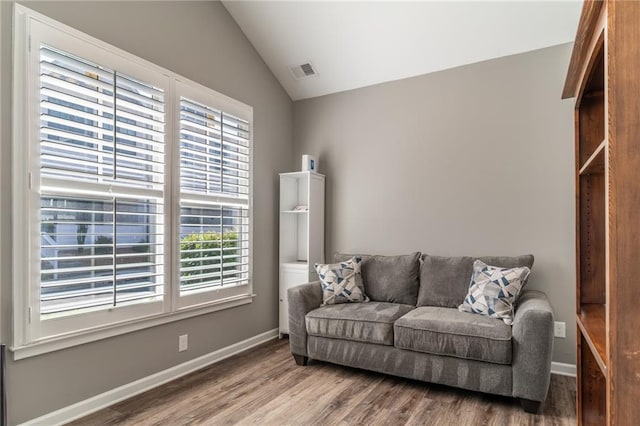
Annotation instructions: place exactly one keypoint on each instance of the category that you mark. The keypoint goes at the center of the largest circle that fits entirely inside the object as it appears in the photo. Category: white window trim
(99, 333)
(23, 345)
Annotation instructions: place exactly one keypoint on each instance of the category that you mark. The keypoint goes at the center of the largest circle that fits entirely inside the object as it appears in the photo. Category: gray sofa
(412, 328)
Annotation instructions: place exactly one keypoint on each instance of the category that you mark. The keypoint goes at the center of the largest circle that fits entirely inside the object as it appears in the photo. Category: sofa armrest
(532, 346)
(302, 300)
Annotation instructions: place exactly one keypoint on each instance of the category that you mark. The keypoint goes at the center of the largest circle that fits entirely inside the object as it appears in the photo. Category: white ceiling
(356, 44)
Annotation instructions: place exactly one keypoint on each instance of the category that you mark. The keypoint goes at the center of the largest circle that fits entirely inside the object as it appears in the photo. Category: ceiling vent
(305, 70)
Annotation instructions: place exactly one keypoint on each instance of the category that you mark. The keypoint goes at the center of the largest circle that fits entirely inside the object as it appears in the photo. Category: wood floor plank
(220, 387)
(264, 386)
(301, 399)
(254, 398)
(104, 417)
(329, 413)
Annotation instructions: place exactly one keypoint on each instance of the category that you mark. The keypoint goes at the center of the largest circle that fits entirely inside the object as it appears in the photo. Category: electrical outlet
(560, 329)
(183, 342)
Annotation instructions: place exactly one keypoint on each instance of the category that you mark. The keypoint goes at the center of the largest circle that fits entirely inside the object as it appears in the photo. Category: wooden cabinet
(301, 233)
(604, 76)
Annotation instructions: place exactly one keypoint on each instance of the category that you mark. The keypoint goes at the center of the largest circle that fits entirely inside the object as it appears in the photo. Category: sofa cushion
(393, 279)
(444, 281)
(449, 332)
(370, 322)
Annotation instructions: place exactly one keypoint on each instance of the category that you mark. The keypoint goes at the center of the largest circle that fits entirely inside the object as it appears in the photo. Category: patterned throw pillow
(493, 291)
(341, 282)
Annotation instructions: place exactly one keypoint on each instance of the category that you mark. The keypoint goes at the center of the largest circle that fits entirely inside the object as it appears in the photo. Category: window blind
(98, 125)
(100, 131)
(214, 165)
(214, 151)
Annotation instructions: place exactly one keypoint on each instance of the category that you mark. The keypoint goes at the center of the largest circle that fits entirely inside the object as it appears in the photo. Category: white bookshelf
(301, 233)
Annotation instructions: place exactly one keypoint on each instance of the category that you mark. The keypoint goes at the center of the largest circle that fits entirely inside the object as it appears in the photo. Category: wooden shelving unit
(602, 74)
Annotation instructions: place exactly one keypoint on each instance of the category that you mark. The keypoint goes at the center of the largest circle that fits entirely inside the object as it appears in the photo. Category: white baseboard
(562, 369)
(98, 402)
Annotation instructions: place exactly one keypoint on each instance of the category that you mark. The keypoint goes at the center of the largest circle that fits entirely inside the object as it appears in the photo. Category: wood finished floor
(264, 386)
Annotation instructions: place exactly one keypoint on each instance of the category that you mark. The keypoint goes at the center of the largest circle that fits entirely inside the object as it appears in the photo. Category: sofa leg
(301, 359)
(530, 406)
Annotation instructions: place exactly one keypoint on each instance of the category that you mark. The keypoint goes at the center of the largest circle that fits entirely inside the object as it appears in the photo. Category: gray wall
(469, 161)
(201, 41)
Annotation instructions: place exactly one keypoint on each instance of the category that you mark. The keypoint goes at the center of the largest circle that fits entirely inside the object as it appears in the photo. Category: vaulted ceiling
(356, 44)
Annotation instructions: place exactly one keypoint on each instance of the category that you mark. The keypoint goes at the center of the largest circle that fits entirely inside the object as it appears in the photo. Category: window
(100, 131)
(135, 188)
(214, 197)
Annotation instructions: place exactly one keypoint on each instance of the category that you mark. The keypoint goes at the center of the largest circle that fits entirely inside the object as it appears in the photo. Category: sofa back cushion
(393, 279)
(444, 281)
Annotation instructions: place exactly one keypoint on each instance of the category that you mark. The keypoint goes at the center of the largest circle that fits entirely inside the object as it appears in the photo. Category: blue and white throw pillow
(493, 291)
(341, 282)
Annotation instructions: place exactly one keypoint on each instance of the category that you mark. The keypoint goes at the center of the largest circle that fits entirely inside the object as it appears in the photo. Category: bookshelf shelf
(591, 322)
(595, 162)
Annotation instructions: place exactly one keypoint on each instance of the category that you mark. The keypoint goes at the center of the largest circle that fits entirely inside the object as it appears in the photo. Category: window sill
(61, 342)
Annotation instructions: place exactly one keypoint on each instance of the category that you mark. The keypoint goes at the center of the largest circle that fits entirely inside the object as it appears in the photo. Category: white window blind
(214, 205)
(90, 261)
(101, 132)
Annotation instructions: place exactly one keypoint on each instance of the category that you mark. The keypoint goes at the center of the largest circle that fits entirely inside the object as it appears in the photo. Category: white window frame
(31, 336)
(42, 33)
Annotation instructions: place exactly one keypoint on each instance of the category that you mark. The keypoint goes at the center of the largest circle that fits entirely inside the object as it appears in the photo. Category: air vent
(305, 70)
